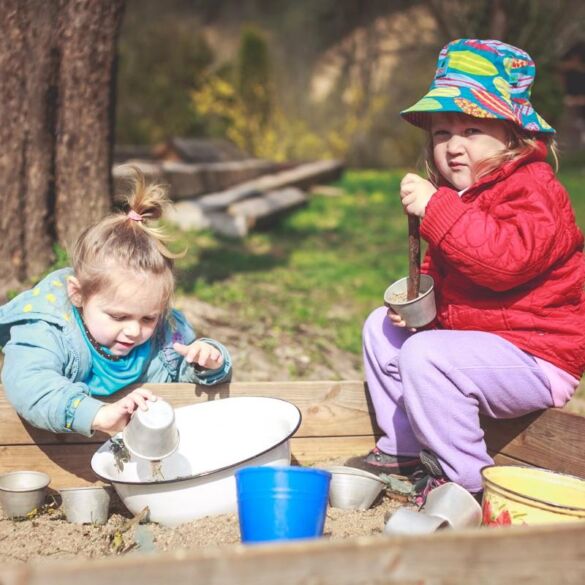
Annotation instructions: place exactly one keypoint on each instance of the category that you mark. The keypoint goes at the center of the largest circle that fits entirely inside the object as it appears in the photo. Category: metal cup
(353, 489)
(86, 505)
(453, 504)
(417, 312)
(22, 491)
(407, 521)
(152, 434)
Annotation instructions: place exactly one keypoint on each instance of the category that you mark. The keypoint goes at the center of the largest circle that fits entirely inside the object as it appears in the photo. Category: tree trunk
(56, 111)
(498, 21)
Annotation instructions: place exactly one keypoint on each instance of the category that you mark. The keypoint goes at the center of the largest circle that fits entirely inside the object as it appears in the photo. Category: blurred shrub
(239, 102)
(254, 77)
(160, 62)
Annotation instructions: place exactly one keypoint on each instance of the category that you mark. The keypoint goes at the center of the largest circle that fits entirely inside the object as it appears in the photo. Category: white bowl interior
(213, 435)
(24, 481)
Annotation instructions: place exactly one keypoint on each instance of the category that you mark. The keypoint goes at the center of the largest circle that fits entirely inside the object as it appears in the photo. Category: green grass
(326, 265)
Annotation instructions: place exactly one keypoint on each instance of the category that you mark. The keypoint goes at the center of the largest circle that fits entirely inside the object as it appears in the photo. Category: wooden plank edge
(538, 555)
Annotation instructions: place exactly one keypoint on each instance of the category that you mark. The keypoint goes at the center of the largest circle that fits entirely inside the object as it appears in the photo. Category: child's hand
(415, 193)
(397, 320)
(112, 418)
(200, 354)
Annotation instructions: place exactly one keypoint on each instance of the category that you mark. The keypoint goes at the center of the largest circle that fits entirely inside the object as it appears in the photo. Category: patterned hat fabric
(483, 79)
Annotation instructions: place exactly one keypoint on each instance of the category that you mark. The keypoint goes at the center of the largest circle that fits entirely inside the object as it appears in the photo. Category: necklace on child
(95, 344)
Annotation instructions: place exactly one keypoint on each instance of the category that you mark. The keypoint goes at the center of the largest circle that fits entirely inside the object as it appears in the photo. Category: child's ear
(74, 291)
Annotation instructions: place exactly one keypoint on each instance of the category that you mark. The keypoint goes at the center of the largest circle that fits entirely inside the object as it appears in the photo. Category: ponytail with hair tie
(134, 216)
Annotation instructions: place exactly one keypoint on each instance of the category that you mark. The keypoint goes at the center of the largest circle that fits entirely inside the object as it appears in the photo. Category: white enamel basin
(216, 439)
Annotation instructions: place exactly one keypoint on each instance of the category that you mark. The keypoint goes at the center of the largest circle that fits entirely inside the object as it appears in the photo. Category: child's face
(460, 142)
(123, 315)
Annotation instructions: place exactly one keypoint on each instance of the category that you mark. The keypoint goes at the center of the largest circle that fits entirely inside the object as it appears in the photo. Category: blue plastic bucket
(281, 503)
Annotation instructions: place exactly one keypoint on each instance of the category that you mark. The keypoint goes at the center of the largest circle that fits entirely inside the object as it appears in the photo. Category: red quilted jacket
(507, 257)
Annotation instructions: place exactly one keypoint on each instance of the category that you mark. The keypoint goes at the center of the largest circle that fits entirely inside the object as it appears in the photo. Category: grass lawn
(327, 264)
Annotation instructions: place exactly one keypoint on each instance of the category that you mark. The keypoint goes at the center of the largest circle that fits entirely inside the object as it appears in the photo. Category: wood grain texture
(327, 408)
(552, 439)
(521, 555)
(338, 422)
(68, 465)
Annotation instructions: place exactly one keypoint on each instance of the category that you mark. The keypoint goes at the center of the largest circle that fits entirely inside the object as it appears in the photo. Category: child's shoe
(378, 462)
(433, 478)
(431, 464)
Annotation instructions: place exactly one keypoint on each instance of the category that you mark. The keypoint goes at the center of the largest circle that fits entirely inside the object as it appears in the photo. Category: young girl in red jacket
(507, 259)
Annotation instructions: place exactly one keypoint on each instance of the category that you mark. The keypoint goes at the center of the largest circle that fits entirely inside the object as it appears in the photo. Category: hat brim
(474, 102)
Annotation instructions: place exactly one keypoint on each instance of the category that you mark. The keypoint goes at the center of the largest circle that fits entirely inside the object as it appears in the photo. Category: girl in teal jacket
(88, 331)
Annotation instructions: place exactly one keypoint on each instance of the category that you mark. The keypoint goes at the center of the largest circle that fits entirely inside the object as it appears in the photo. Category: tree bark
(56, 109)
(498, 21)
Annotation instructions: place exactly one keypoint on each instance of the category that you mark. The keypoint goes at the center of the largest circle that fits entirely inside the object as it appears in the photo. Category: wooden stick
(413, 285)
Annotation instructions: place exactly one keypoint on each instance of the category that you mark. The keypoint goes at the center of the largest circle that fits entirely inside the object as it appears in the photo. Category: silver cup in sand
(407, 521)
(454, 504)
(152, 434)
(417, 312)
(86, 505)
(353, 489)
(22, 491)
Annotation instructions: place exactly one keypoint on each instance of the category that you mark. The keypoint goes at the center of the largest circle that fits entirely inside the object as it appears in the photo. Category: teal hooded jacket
(47, 359)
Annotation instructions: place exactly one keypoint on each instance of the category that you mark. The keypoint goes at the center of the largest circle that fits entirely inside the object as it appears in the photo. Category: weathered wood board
(223, 211)
(542, 555)
(302, 177)
(338, 421)
(238, 219)
(186, 180)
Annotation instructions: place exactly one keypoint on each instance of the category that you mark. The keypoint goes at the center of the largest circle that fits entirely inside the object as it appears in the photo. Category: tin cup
(407, 521)
(353, 489)
(454, 504)
(22, 491)
(152, 434)
(86, 505)
(417, 312)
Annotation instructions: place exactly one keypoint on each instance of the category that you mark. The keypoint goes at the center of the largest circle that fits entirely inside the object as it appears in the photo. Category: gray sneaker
(431, 464)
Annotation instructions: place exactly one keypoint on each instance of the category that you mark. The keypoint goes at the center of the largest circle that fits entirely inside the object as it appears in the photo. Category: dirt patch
(49, 536)
(262, 354)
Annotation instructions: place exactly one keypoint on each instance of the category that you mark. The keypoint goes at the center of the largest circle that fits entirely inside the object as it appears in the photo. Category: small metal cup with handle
(407, 521)
(416, 312)
(152, 434)
(454, 504)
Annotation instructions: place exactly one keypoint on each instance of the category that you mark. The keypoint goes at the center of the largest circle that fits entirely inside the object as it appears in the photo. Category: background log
(302, 177)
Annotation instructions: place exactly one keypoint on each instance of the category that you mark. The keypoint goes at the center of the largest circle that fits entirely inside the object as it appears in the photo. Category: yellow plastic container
(528, 495)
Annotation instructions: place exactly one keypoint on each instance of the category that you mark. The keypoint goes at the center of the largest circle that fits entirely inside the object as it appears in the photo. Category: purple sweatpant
(428, 389)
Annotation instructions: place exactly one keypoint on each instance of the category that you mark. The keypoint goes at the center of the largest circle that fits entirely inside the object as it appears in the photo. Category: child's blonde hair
(520, 144)
(126, 240)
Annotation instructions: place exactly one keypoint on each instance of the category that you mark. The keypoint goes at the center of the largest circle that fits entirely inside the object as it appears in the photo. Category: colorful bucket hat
(483, 79)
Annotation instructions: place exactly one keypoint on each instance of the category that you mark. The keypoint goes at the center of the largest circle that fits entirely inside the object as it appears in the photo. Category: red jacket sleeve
(507, 239)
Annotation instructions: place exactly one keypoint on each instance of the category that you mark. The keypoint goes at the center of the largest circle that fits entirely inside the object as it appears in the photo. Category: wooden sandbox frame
(337, 421)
